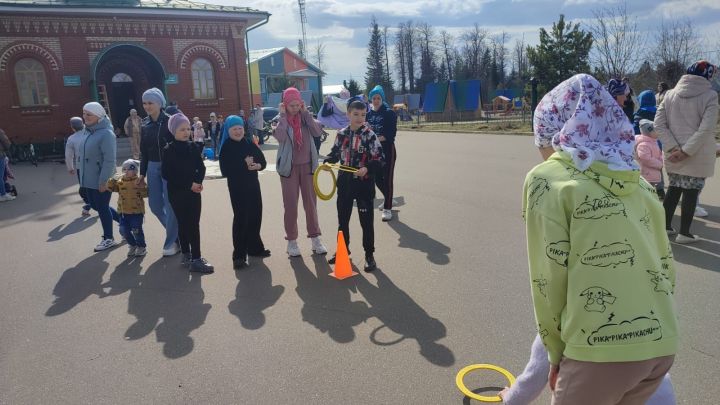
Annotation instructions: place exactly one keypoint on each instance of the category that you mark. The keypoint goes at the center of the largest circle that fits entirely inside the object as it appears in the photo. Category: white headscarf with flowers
(580, 117)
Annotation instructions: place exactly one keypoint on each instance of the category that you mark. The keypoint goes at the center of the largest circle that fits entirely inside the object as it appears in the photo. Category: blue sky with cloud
(343, 24)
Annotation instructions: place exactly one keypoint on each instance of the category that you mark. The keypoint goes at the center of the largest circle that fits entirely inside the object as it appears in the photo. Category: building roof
(129, 4)
(259, 54)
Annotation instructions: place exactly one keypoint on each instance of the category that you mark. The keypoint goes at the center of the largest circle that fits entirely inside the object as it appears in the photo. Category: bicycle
(23, 153)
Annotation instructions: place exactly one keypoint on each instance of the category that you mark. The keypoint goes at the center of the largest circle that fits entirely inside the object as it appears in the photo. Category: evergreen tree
(352, 87)
(376, 71)
(562, 53)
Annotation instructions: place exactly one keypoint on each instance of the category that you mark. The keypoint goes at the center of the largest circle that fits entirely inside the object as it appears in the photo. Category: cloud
(686, 8)
(584, 2)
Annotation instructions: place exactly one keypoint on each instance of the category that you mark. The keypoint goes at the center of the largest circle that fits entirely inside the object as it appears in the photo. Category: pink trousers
(300, 182)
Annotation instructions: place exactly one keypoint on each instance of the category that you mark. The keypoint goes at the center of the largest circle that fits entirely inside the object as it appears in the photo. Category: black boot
(370, 264)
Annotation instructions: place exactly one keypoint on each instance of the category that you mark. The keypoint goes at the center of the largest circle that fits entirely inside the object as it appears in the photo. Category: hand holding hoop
(328, 167)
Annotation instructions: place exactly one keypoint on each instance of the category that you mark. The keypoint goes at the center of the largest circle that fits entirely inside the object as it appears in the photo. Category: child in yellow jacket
(131, 206)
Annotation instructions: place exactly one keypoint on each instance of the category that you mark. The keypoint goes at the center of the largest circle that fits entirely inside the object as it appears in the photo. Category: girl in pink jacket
(648, 153)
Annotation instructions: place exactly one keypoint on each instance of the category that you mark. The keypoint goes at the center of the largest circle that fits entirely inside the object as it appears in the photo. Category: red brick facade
(95, 47)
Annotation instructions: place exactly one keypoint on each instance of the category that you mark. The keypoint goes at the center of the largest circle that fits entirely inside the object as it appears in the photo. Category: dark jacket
(359, 148)
(154, 136)
(4, 145)
(182, 165)
(383, 122)
(646, 111)
(208, 130)
(232, 161)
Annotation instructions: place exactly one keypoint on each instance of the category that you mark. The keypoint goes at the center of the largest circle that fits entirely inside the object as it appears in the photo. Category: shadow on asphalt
(705, 253)
(169, 292)
(402, 315)
(77, 225)
(329, 307)
(253, 295)
(436, 251)
(327, 304)
(486, 391)
(78, 283)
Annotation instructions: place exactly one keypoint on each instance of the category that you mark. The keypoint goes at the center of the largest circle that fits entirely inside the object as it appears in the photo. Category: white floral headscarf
(580, 117)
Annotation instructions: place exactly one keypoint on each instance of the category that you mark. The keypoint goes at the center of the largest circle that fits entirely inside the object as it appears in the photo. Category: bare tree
(499, 54)
(318, 54)
(400, 48)
(474, 49)
(618, 44)
(410, 52)
(387, 57)
(428, 66)
(447, 44)
(520, 59)
(678, 45)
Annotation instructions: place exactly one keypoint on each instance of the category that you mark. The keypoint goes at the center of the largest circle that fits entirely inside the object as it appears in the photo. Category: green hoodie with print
(601, 266)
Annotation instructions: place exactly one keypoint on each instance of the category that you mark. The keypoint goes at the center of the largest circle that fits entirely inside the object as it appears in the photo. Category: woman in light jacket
(297, 159)
(685, 122)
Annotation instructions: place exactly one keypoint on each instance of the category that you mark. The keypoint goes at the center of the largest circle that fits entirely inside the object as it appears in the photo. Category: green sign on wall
(171, 79)
(71, 81)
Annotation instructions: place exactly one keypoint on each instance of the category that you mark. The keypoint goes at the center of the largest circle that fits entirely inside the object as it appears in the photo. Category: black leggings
(385, 180)
(363, 191)
(246, 201)
(687, 208)
(187, 206)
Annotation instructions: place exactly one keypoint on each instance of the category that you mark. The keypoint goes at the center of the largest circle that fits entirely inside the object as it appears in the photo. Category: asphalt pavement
(452, 289)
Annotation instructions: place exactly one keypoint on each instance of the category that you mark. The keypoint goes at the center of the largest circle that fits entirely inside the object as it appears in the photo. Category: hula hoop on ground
(482, 398)
(328, 167)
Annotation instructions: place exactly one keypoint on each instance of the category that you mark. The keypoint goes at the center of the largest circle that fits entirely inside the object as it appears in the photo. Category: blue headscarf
(647, 101)
(617, 87)
(377, 90)
(232, 121)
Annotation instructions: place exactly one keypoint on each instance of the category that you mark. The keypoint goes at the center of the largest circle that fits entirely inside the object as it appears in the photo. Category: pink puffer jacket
(649, 155)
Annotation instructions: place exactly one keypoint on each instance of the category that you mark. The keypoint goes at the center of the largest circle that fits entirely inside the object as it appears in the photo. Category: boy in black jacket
(356, 145)
(184, 171)
(240, 162)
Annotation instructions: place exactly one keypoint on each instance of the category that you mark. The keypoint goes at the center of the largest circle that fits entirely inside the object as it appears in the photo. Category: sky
(342, 25)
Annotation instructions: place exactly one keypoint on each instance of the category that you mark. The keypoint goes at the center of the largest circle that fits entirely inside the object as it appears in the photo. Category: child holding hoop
(357, 145)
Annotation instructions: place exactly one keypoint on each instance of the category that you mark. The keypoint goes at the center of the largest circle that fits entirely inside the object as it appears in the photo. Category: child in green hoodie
(600, 264)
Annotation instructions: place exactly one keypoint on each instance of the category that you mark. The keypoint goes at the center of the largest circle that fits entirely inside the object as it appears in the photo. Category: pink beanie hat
(291, 94)
(175, 121)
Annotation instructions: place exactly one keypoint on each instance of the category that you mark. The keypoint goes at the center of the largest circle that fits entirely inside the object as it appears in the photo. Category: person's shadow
(403, 316)
(254, 294)
(125, 277)
(77, 225)
(410, 238)
(327, 304)
(78, 283)
(169, 292)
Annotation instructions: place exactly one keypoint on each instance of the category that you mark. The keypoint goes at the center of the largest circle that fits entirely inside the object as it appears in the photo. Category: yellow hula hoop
(328, 167)
(461, 384)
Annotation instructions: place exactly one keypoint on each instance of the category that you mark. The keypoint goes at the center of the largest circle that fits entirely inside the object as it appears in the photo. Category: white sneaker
(684, 240)
(700, 212)
(386, 215)
(105, 244)
(7, 197)
(172, 250)
(317, 246)
(131, 251)
(293, 250)
(140, 251)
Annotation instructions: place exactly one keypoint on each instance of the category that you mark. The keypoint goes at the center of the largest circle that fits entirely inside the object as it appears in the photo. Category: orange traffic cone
(343, 268)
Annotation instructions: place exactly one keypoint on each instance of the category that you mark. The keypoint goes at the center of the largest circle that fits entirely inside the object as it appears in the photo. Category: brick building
(56, 55)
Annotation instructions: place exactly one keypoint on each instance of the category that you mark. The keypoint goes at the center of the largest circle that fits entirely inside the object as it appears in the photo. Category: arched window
(203, 79)
(31, 82)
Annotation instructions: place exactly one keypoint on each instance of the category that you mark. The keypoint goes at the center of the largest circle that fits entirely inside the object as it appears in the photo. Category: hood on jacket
(692, 86)
(104, 123)
(647, 100)
(617, 182)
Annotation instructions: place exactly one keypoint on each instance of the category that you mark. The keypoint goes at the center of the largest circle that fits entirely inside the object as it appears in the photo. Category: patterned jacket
(131, 196)
(359, 148)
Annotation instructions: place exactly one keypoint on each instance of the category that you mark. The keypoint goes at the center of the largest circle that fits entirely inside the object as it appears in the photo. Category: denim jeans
(132, 225)
(100, 202)
(160, 204)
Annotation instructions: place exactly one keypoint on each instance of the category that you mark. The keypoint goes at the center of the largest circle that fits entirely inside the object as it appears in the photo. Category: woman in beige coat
(685, 123)
(132, 130)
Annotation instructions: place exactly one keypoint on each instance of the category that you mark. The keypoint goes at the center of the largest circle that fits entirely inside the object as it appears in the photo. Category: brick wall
(67, 47)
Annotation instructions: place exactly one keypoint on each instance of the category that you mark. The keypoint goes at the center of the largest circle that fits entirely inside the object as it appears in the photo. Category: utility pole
(303, 23)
